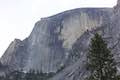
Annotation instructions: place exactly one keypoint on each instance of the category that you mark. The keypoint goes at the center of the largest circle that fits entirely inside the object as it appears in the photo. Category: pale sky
(17, 17)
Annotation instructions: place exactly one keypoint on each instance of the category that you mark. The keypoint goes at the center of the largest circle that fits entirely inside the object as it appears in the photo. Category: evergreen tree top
(101, 63)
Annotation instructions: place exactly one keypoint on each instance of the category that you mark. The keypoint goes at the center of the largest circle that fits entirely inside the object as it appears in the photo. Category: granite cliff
(52, 38)
(63, 40)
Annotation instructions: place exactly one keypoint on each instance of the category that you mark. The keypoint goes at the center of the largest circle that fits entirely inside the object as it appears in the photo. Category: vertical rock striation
(48, 46)
(110, 32)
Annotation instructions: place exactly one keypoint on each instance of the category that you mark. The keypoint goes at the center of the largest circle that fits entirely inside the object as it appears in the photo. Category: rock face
(63, 40)
(15, 56)
(110, 33)
(52, 38)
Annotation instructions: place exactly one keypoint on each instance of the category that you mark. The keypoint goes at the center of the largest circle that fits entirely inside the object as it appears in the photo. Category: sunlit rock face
(78, 22)
(48, 46)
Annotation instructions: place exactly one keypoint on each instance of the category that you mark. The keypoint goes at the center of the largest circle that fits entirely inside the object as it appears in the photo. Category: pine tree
(101, 63)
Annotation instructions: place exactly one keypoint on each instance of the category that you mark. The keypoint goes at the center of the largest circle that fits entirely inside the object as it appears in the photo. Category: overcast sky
(17, 17)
